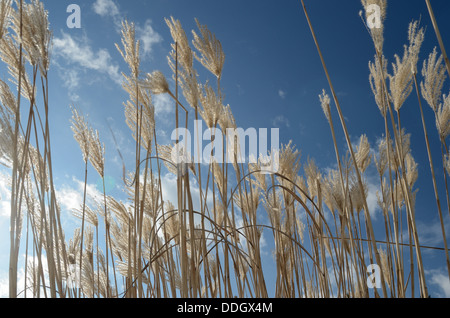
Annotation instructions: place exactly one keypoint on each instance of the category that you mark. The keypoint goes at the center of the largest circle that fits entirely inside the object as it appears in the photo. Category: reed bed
(147, 246)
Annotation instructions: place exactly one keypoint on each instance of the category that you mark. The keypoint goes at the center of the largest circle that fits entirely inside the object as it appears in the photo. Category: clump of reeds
(320, 223)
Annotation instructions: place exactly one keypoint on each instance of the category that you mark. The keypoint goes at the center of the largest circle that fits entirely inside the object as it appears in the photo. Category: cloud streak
(146, 34)
(80, 53)
(440, 280)
(5, 196)
(106, 8)
(281, 121)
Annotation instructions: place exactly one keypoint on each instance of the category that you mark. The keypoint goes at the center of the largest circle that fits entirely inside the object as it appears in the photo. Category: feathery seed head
(212, 108)
(146, 124)
(9, 53)
(80, 129)
(36, 34)
(5, 11)
(157, 83)
(7, 99)
(401, 81)
(443, 118)
(226, 120)
(362, 155)
(301, 183)
(358, 195)
(255, 167)
(332, 190)
(300, 229)
(289, 161)
(181, 50)
(191, 89)
(210, 48)
(90, 215)
(447, 163)
(172, 224)
(96, 152)
(415, 37)
(434, 74)
(40, 166)
(273, 205)
(412, 172)
(404, 69)
(376, 32)
(325, 102)
(248, 201)
(219, 177)
(6, 138)
(384, 198)
(385, 266)
(165, 153)
(381, 161)
(404, 146)
(313, 174)
(130, 52)
(377, 79)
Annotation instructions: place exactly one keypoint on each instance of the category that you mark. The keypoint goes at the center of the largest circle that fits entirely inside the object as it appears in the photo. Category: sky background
(272, 78)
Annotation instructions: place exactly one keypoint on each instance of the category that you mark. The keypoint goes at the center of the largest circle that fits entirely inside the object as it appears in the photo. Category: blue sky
(272, 78)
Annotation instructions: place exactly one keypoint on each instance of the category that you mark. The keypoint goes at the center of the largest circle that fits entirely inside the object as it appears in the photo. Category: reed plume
(198, 230)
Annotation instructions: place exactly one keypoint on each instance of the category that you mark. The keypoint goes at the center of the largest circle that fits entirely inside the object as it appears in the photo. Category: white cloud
(4, 284)
(80, 53)
(282, 94)
(146, 34)
(4, 277)
(106, 8)
(439, 278)
(4, 287)
(72, 79)
(148, 37)
(163, 105)
(431, 233)
(372, 199)
(281, 121)
(5, 197)
(5, 209)
(109, 9)
(71, 196)
(72, 82)
(169, 191)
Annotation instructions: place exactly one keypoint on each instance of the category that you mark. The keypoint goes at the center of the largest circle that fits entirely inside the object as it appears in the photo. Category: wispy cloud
(169, 191)
(148, 37)
(106, 8)
(280, 121)
(431, 233)
(440, 280)
(5, 196)
(70, 197)
(72, 82)
(282, 94)
(372, 199)
(80, 53)
(163, 105)
(32, 263)
(164, 109)
(146, 34)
